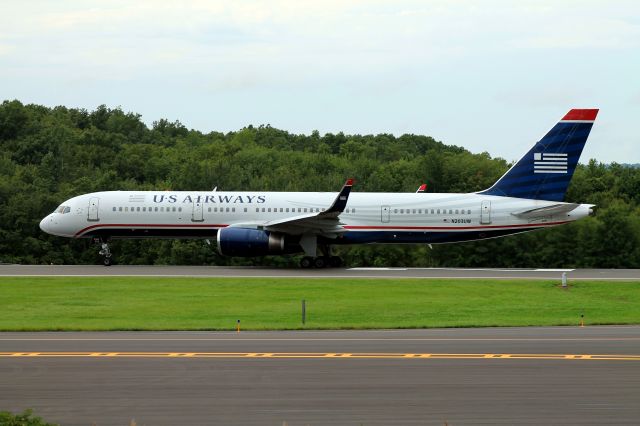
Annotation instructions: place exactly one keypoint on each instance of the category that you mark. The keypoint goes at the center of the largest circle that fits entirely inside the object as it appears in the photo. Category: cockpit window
(63, 209)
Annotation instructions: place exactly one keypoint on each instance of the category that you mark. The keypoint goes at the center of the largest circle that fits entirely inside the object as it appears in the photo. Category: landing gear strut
(105, 252)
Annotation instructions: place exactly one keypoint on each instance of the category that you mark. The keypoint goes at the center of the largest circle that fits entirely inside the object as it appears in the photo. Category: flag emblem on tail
(546, 162)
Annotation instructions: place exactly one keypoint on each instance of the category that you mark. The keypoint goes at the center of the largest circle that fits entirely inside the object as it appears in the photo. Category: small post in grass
(581, 320)
(304, 311)
(238, 326)
(564, 280)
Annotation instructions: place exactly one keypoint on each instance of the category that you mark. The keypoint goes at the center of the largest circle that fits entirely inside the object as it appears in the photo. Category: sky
(487, 75)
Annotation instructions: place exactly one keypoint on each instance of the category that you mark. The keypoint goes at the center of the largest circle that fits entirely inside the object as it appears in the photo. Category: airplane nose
(44, 224)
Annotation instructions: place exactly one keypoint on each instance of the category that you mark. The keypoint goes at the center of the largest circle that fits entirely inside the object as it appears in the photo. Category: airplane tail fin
(545, 171)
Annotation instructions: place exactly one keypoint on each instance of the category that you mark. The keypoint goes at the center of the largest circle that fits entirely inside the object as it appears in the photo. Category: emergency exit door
(385, 213)
(485, 212)
(197, 213)
(92, 212)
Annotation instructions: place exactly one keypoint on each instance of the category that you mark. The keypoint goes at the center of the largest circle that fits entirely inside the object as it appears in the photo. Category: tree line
(48, 155)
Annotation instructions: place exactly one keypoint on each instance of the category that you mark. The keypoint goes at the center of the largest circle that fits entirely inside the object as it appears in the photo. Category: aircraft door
(385, 213)
(197, 212)
(485, 212)
(92, 213)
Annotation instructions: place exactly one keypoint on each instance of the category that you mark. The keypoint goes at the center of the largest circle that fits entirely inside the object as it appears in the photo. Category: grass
(142, 303)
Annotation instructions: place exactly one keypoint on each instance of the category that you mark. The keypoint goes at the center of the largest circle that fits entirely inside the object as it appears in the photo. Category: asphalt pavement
(547, 375)
(219, 271)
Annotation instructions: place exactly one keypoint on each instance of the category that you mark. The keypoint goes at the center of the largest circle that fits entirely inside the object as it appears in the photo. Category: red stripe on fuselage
(348, 227)
(448, 228)
(149, 225)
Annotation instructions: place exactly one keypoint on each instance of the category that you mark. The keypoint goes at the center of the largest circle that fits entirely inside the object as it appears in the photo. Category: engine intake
(244, 242)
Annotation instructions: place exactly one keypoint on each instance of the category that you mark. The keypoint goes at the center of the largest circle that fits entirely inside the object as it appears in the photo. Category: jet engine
(245, 242)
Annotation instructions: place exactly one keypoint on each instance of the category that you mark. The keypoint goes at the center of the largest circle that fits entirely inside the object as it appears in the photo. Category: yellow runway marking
(332, 355)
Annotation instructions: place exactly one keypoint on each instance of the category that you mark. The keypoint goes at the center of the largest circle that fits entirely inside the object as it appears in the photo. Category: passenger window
(353, 210)
(227, 209)
(414, 211)
(299, 210)
(305, 209)
(456, 211)
(155, 209)
(114, 209)
(263, 210)
(245, 209)
(281, 210)
(173, 209)
(209, 210)
(468, 211)
(179, 209)
(438, 211)
(269, 210)
(257, 209)
(395, 210)
(126, 209)
(119, 209)
(419, 211)
(431, 211)
(401, 210)
(233, 209)
(287, 209)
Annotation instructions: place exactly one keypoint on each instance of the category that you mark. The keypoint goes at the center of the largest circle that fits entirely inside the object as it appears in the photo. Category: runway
(547, 375)
(218, 271)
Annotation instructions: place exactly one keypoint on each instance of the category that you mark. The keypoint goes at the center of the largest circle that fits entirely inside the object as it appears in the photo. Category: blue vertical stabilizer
(545, 171)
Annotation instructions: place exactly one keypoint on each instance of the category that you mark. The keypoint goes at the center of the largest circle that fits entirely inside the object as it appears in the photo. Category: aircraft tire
(320, 262)
(107, 261)
(306, 262)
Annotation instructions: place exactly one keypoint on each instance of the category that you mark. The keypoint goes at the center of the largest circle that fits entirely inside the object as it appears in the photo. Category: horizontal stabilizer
(547, 210)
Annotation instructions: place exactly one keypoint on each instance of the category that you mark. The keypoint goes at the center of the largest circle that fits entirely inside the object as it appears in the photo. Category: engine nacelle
(244, 242)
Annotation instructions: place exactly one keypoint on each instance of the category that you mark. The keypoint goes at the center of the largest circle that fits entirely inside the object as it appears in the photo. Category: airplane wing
(546, 210)
(326, 222)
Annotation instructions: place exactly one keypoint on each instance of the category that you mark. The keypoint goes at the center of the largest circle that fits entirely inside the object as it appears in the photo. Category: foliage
(26, 418)
(48, 155)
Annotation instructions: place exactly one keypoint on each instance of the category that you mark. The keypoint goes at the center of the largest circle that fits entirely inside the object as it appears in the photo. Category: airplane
(529, 196)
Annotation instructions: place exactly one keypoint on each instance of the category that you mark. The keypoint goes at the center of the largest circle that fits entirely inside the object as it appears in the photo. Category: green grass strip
(143, 303)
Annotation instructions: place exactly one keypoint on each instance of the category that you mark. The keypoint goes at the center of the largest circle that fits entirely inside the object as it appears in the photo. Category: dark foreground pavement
(101, 387)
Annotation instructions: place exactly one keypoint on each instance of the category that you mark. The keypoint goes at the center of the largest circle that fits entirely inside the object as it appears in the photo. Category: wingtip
(349, 182)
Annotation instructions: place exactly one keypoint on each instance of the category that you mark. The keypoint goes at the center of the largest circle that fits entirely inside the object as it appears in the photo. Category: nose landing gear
(105, 252)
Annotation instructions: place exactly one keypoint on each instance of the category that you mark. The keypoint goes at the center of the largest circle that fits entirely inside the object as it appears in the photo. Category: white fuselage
(368, 217)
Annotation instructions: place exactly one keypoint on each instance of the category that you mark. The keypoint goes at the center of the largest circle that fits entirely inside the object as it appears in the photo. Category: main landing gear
(105, 252)
(325, 261)
(321, 262)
